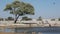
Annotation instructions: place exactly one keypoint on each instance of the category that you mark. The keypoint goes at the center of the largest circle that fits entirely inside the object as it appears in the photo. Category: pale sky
(44, 8)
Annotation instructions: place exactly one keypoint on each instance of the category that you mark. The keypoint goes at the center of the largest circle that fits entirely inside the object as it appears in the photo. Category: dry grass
(18, 33)
(11, 33)
(7, 33)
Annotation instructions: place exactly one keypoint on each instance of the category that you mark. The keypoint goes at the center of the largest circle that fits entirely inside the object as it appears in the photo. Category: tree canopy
(18, 8)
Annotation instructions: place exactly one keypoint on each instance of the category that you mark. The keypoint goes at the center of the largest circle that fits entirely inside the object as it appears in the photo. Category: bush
(26, 18)
(59, 19)
(10, 18)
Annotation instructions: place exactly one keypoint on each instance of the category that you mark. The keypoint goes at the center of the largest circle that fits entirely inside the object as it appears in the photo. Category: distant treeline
(25, 18)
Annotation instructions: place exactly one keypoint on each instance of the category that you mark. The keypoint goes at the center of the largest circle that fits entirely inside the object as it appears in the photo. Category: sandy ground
(26, 25)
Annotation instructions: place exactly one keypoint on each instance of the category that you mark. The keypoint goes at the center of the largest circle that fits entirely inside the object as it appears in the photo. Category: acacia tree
(18, 8)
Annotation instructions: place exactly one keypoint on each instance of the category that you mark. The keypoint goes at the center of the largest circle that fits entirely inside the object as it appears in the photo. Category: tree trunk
(16, 19)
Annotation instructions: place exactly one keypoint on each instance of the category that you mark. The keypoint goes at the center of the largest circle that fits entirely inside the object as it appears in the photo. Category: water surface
(45, 30)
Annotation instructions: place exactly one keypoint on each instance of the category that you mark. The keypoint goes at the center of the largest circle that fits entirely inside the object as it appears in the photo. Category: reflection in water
(46, 30)
(51, 33)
